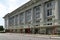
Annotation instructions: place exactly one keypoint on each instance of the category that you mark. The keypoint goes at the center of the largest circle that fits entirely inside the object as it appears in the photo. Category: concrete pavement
(18, 36)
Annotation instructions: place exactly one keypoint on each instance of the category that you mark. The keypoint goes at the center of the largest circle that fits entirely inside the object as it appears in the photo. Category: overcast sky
(6, 6)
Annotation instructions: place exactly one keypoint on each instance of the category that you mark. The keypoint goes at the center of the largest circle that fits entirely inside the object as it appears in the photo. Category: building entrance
(21, 30)
(49, 30)
(36, 30)
(27, 30)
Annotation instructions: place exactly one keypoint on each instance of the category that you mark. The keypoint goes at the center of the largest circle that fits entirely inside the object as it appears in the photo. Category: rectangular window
(38, 21)
(16, 20)
(49, 4)
(36, 12)
(21, 18)
(49, 24)
(11, 21)
(49, 7)
(37, 8)
(28, 15)
(29, 22)
(49, 19)
(49, 12)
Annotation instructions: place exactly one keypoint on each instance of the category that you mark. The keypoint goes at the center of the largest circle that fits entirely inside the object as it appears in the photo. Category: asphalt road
(18, 36)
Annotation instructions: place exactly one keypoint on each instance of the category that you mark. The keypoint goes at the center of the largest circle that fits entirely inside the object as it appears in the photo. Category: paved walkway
(17, 36)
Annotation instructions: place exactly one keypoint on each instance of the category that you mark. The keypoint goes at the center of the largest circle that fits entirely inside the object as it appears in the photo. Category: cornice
(26, 5)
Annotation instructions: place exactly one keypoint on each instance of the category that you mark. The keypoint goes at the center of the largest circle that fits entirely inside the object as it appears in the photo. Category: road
(18, 36)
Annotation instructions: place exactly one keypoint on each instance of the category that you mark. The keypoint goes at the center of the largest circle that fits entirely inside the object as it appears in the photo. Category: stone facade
(38, 16)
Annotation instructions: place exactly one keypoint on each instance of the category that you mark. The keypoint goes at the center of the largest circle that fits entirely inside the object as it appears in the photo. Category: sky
(7, 6)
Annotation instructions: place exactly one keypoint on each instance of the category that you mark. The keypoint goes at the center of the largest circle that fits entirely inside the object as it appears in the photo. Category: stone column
(6, 23)
(14, 21)
(18, 23)
(56, 12)
(24, 23)
(32, 16)
(42, 12)
(32, 19)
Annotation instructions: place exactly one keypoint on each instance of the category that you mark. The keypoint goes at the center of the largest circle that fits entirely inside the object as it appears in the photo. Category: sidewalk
(39, 35)
(44, 36)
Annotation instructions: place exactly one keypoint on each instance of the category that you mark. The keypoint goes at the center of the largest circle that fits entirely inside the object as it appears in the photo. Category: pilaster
(18, 21)
(56, 12)
(32, 17)
(24, 20)
(42, 14)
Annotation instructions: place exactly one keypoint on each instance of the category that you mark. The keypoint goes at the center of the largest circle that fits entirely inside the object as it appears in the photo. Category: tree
(1, 28)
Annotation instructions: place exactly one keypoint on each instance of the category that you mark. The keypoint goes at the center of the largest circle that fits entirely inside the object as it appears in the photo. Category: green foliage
(1, 28)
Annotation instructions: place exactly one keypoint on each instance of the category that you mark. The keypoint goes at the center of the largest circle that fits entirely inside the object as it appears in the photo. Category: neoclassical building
(35, 16)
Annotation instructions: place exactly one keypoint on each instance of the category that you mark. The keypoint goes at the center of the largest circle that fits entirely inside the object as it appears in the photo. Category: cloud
(7, 6)
(2, 10)
(1, 21)
(12, 0)
(13, 4)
